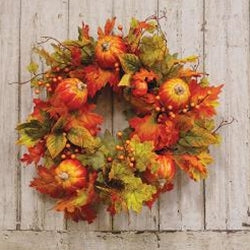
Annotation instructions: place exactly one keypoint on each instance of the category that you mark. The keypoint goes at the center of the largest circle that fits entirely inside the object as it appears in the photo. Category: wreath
(170, 109)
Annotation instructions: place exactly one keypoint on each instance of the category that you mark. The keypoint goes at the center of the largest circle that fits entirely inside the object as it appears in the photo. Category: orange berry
(116, 65)
(117, 147)
(66, 70)
(40, 83)
(209, 92)
(47, 85)
(63, 156)
(200, 97)
(121, 157)
(117, 69)
(68, 153)
(170, 107)
(47, 75)
(67, 145)
(184, 110)
(64, 133)
(163, 109)
(119, 134)
(50, 89)
(197, 106)
(192, 104)
(109, 159)
(37, 91)
(54, 79)
(120, 27)
(158, 109)
(58, 69)
(76, 150)
(131, 164)
(157, 97)
(73, 156)
(127, 142)
(132, 159)
(59, 78)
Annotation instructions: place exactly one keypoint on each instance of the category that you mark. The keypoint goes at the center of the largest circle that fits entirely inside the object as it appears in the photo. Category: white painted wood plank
(94, 15)
(28, 240)
(39, 18)
(124, 10)
(227, 60)
(182, 208)
(9, 51)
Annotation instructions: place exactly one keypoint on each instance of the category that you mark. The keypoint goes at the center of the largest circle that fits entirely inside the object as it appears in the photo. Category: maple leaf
(46, 182)
(84, 117)
(83, 32)
(34, 153)
(147, 129)
(143, 153)
(206, 97)
(96, 78)
(134, 193)
(194, 165)
(108, 28)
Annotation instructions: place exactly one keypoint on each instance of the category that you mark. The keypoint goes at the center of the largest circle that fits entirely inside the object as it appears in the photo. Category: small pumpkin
(108, 50)
(166, 168)
(72, 92)
(174, 92)
(71, 175)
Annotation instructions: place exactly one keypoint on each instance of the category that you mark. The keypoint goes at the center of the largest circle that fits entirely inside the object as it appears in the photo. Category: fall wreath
(170, 117)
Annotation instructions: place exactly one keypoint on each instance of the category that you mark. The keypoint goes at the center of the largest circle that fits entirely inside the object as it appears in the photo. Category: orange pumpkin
(108, 50)
(166, 168)
(71, 175)
(72, 92)
(174, 92)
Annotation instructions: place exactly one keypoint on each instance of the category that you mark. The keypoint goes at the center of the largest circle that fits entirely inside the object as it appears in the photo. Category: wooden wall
(206, 215)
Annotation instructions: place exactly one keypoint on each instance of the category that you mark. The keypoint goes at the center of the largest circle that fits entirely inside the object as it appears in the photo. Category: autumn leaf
(108, 28)
(143, 153)
(152, 49)
(96, 78)
(56, 143)
(125, 81)
(33, 67)
(46, 182)
(130, 63)
(194, 165)
(34, 154)
(147, 129)
(81, 137)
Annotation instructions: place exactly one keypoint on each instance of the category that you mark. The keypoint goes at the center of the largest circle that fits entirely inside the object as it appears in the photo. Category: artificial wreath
(170, 109)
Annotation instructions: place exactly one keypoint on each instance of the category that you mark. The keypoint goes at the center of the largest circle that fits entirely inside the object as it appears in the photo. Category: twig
(224, 123)
(48, 38)
(21, 83)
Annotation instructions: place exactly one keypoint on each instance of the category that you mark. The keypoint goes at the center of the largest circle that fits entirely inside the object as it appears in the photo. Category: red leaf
(76, 56)
(34, 154)
(85, 31)
(46, 182)
(109, 26)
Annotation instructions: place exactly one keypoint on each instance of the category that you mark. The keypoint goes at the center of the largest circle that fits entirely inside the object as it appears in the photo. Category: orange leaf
(147, 129)
(84, 117)
(85, 31)
(96, 78)
(46, 182)
(109, 26)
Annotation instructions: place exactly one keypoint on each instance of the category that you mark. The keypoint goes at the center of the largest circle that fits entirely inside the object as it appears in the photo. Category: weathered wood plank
(227, 60)
(208, 240)
(94, 15)
(124, 11)
(182, 208)
(38, 18)
(9, 51)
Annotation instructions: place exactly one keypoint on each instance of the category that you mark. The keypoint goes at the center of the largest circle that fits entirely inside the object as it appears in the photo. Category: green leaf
(198, 137)
(58, 126)
(109, 143)
(136, 193)
(143, 153)
(153, 49)
(32, 67)
(45, 55)
(81, 137)
(130, 63)
(96, 160)
(125, 81)
(55, 144)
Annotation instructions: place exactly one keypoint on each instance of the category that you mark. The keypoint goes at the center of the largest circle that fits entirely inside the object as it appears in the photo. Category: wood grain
(38, 18)
(28, 240)
(227, 61)
(9, 63)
